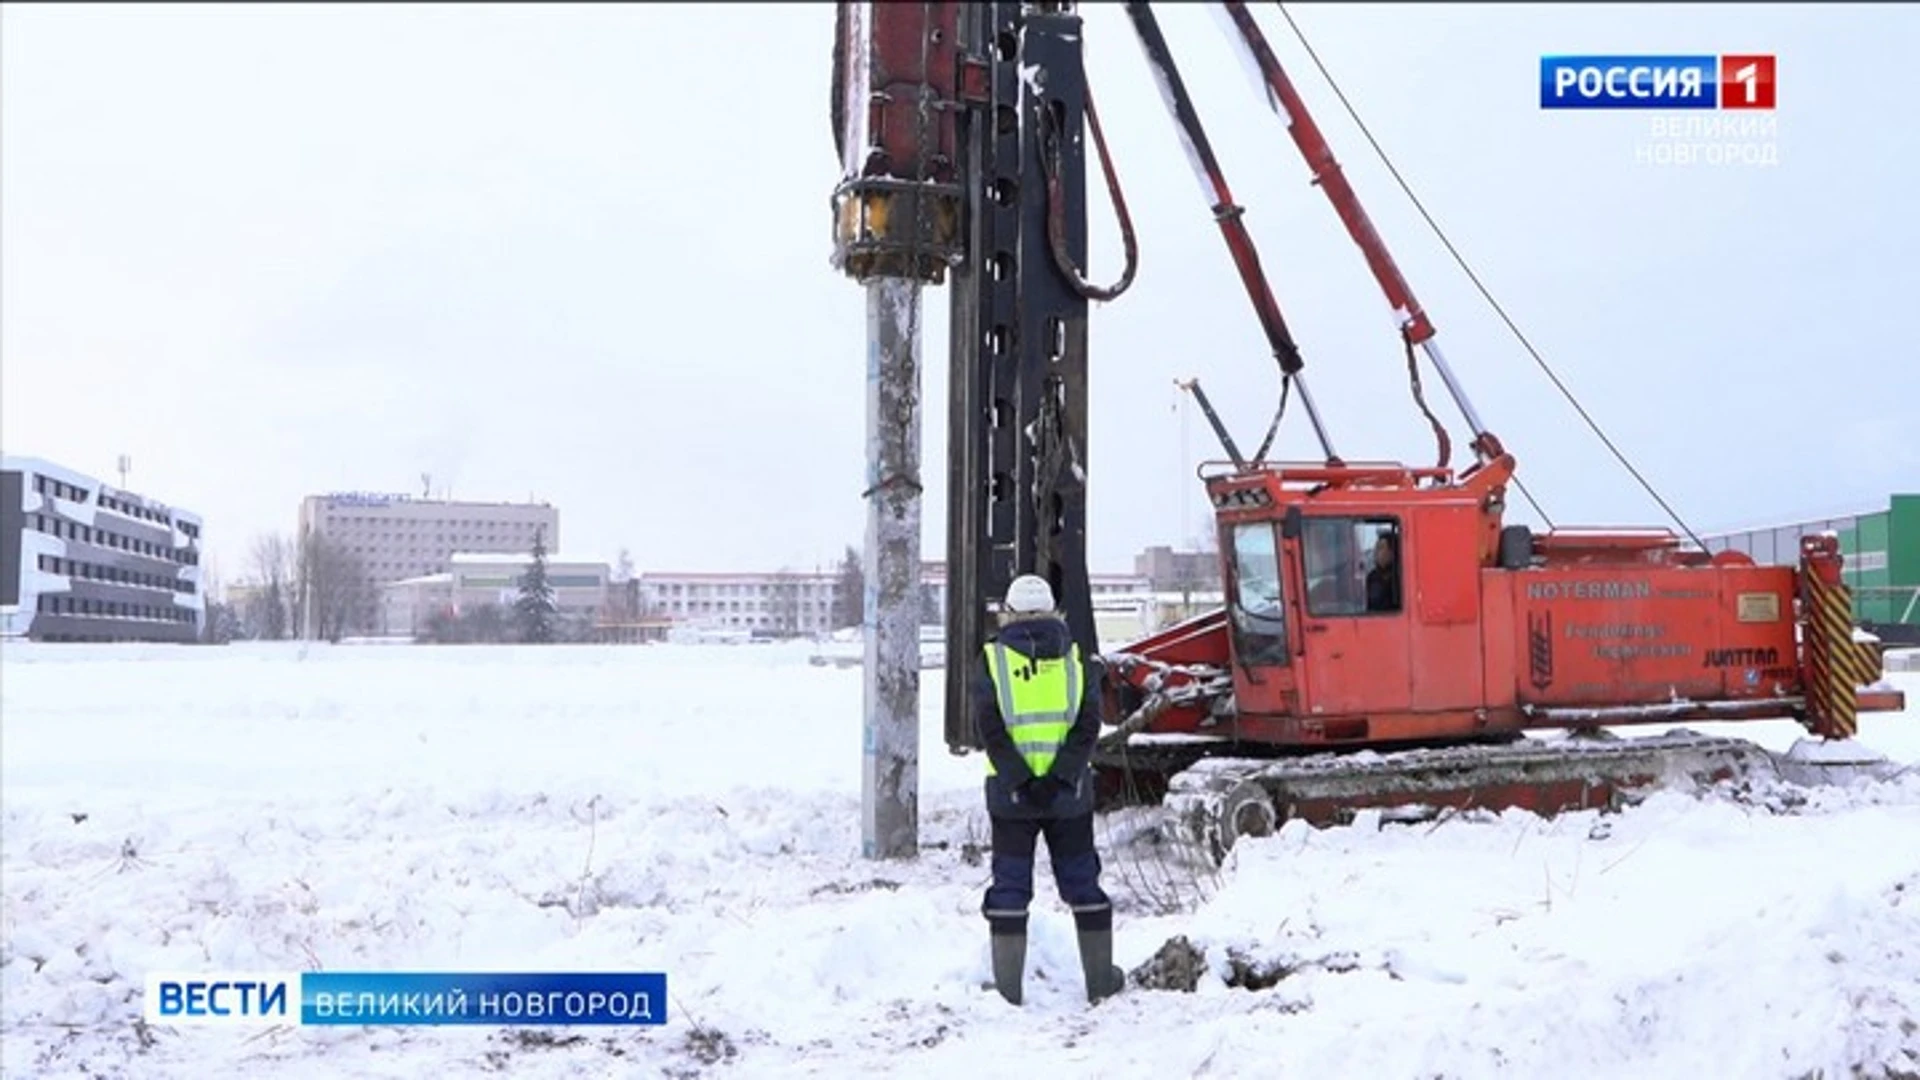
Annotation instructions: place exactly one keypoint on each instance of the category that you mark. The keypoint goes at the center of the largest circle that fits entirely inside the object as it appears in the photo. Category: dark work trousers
(1076, 871)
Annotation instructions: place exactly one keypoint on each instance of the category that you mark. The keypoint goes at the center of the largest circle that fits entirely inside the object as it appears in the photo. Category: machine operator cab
(1321, 594)
(1351, 567)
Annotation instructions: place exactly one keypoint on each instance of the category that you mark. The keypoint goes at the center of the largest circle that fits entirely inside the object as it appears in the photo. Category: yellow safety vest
(1038, 701)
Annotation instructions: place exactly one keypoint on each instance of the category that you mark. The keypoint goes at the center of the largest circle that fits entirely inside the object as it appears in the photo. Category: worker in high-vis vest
(1038, 717)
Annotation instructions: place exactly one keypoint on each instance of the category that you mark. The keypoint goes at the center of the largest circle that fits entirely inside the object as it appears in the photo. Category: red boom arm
(1413, 321)
(1326, 173)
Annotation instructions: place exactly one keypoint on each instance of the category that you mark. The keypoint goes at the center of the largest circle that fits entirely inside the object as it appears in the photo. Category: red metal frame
(1604, 628)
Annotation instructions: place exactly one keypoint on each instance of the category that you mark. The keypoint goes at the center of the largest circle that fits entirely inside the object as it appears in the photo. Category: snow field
(694, 810)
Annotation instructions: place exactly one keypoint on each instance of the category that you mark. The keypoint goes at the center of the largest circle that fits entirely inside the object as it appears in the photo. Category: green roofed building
(1882, 549)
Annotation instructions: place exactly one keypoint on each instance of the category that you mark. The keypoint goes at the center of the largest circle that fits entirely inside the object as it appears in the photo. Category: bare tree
(274, 611)
(335, 583)
(220, 623)
(217, 618)
(212, 581)
(624, 601)
(489, 624)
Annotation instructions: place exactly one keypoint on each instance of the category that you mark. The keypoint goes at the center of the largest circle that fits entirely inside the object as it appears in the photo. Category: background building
(795, 604)
(627, 619)
(396, 537)
(1167, 570)
(479, 579)
(802, 603)
(1107, 589)
(81, 561)
(1882, 549)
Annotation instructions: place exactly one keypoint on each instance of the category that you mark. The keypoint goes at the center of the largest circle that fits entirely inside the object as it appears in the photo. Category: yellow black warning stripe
(1840, 665)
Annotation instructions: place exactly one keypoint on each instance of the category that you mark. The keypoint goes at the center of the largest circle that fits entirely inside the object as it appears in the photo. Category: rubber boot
(1104, 978)
(1009, 965)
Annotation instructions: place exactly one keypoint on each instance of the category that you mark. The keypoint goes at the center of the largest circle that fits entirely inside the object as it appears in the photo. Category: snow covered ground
(693, 809)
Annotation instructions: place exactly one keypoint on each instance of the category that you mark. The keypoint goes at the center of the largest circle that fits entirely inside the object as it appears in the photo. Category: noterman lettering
(1588, 590)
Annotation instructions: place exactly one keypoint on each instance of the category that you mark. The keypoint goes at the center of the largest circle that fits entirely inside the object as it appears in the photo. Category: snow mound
(1835, 761)
(1834, 752)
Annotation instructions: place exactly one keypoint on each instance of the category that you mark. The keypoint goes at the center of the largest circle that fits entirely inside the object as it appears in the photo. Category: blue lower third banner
(406, 997)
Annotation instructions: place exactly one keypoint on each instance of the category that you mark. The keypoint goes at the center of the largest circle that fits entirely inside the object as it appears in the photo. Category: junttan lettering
(1742, 658)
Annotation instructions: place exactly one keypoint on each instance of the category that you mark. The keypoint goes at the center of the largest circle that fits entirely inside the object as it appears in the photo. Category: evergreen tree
(850, 592)
(534, 610)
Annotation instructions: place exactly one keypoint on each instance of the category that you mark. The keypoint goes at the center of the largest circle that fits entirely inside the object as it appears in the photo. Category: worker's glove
(1042, 790)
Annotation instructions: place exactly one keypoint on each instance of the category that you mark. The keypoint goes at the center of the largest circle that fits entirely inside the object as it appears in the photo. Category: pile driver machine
(1369, 606)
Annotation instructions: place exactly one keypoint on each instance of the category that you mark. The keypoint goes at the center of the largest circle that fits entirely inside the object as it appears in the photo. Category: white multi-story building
(803, 602)
(82, 561)
(1104, 588)
(792, 604)
(477, 579)
(397, 537)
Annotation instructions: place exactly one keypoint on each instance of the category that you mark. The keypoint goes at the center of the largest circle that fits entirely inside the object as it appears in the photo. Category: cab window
(1352, 566)
(1259, 616)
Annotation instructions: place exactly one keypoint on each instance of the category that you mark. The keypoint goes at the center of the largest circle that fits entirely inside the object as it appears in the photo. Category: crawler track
(1215, 799)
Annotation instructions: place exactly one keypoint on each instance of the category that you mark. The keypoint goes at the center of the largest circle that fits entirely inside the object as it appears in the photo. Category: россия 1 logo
(1657, 82)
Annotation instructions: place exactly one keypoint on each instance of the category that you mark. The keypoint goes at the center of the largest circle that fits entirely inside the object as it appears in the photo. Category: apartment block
(397, 537)
(82, 561)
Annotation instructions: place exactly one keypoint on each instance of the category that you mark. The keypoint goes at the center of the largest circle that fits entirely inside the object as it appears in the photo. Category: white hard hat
(1029, 594)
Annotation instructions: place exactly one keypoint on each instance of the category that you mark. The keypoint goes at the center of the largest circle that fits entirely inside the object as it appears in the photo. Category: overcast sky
(581, 254)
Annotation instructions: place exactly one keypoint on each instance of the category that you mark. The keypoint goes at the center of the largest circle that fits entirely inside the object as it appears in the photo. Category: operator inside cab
(1383, 580)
